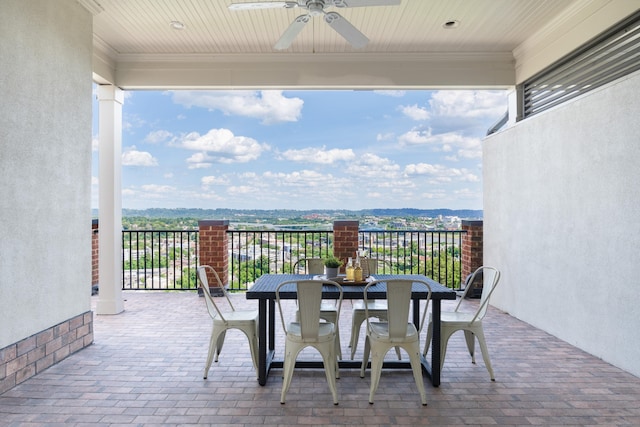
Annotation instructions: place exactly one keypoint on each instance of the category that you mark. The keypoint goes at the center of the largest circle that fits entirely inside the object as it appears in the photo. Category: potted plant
(332, 266)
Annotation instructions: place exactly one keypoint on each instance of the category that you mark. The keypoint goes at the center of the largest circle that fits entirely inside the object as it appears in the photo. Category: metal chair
(328, 311)
(245, 321)
(311, 265)
(375, 308)
(308, 330)
(469, 322)
(398, 331)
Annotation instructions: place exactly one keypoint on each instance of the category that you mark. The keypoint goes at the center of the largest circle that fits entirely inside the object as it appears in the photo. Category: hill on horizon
(291, 213)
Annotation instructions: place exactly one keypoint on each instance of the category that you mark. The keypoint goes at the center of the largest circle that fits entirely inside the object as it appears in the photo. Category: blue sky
(303, 149)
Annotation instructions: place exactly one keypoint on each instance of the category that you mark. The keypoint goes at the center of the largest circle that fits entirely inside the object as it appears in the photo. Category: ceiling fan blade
(363, 3)
(290, 33)
(346, 30)
(263, 5)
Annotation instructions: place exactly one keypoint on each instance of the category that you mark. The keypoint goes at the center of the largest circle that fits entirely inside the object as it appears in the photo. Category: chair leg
(377, 358)
(213, 350)
(252, 336)
(398, 353)
(471, 344)
(485, 353)
(331, 372)
(356, 324)
(220, 342)
(429, 336)
(289, 364)
(416, 366)
(365, 357)
(338, 345)
(445, 334)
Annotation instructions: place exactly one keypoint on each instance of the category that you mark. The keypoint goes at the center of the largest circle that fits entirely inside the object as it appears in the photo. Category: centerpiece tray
(342, 280)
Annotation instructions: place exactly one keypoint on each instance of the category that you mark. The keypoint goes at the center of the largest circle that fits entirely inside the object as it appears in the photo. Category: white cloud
(416, 136)
(441, 173)
(158, 189)
(385, 136)
(221, 146)
(213, 180)
(241, 189)
(469, 103)
(319, 155)
(375, 167)
(394, 93)
(270, 106)
(199, 161)
(415, 113)
(133, 157)
(95, 143)
(158, 136)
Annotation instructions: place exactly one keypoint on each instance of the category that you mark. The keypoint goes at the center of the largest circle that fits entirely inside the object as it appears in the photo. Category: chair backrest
(311, 265)
(309, 298)
(398, 304)
(369, 266)
(490, 279)
(212, 307)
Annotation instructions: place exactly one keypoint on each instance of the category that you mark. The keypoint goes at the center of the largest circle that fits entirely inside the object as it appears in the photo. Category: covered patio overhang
(56, 50)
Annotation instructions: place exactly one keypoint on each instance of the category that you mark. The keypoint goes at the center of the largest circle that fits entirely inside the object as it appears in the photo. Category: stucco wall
(562, 221)
(45, 161)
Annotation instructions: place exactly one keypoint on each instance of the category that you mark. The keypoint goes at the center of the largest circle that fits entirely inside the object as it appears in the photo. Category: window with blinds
(608, 57)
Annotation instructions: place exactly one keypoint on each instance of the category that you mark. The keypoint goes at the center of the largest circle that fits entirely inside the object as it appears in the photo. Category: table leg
(416, 312)
(272, 325)
(435, 343)
(262, 341)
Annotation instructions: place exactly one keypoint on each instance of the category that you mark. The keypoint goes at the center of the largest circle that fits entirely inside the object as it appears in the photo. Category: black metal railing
(153, 259)
(436, 254)
(168, 259)
(253, 253)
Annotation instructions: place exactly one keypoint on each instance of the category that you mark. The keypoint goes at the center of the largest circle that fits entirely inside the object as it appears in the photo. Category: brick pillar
(95, 257)
(472, 247)
(345, 239)
(214, 249)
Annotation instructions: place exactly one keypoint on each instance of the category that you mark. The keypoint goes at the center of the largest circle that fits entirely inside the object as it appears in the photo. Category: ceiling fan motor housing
(315, 7)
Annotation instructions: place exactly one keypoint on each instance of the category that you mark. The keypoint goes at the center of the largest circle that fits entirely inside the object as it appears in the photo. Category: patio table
(264, 290)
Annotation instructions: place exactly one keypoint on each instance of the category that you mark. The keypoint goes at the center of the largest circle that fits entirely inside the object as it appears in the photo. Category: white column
(110, 299)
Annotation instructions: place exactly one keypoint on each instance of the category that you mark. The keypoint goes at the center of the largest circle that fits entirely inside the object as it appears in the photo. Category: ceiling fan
(317, 8)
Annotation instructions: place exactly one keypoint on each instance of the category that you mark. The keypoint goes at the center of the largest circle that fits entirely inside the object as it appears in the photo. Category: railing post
(345, 239)
(214, 250)
(472, 247)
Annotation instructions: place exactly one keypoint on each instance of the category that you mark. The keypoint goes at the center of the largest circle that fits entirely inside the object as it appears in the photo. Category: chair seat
(247, 316)
(371, 305)
(325, 332)
(456, 317)
(381, 332)
(328, 307)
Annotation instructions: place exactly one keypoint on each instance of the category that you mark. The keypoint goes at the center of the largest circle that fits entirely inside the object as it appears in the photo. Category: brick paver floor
(145, 368)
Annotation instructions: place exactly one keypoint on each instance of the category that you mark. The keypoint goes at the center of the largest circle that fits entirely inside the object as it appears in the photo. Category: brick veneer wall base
(30, 356)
